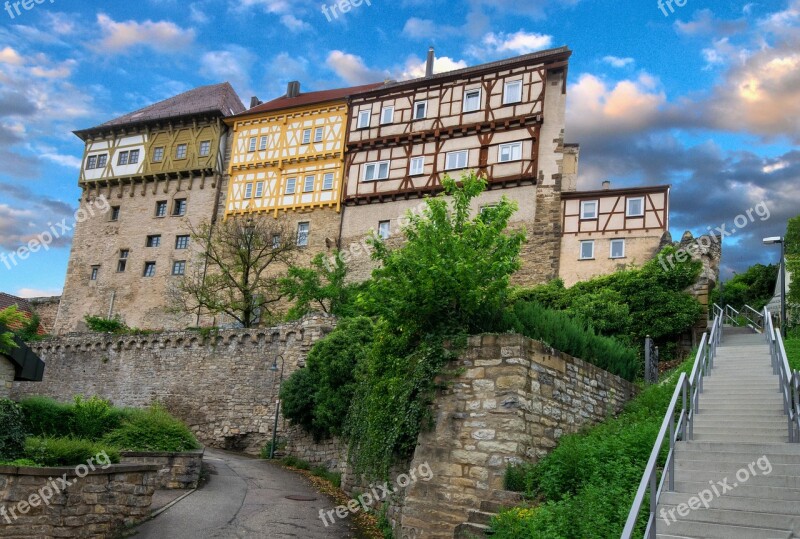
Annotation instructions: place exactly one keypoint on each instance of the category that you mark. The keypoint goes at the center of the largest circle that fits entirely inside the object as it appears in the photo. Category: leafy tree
(238, 268)
(754, 287)
(792, 240)
(10, 318)
(320, 287)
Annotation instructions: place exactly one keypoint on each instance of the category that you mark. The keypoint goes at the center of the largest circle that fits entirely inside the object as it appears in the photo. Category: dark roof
(7, 300)
(214, 99)
(621, 191)
(28, 366)
(310, 98)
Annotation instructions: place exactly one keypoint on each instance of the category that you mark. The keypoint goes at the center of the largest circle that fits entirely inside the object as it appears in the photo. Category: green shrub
(280, 445)
(46, 417)
(294, 462)
(152, 429)
(22, 463)
(105, 325)
(93, 418)
(66, 451)
(333, 478)
(12, 430)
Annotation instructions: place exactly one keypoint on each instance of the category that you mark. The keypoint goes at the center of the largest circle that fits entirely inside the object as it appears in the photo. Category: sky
(703, 96)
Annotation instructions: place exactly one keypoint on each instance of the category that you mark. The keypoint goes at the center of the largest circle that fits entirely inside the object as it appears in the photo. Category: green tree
(754, 287)
(319, 287)
(792, 240)
(11, 319)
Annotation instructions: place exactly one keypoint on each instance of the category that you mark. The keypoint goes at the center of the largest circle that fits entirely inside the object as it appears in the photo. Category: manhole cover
(298, 498)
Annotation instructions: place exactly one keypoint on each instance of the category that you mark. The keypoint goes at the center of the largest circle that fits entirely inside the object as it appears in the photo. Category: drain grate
(299, 498)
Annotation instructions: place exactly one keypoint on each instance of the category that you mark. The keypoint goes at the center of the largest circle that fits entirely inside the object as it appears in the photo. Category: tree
(238, 267)
(754, 287)
(319, 287)
(10, 319)
(792, 240)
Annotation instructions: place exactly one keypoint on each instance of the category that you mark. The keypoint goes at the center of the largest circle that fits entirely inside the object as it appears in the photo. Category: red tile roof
(7, 300)
(309, 98)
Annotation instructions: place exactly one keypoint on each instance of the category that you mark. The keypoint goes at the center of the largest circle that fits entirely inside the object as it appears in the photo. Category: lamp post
(772, 241)
(274, 368)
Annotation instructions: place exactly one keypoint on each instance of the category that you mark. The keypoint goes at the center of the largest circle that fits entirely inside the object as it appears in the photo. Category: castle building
(147, 178)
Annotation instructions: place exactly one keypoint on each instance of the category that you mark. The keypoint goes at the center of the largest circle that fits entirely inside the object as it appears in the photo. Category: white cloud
(415, 68)
(10, 56)
(161, 36)
(293, 23)
(499, 44)
(615, 61)
(197, 15)
(38, 292)
(352, 68)
(231, 64)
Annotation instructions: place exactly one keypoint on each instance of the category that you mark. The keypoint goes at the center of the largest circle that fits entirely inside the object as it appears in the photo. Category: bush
(105, 325)
(12, 432)
(152, 429)
(46, 417)
(93, 418)
(66, 451)
(280, 445)
(333, 478)
(294, 462)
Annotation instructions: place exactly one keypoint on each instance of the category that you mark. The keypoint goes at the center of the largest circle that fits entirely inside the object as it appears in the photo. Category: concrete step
(746, 490)
(727, 466)
(480, 517)
(733, 438)
(759, 480)
(770, 521)
(707, 530)
(739, 503)
(469, 530)
(759, 419)
(740, 430)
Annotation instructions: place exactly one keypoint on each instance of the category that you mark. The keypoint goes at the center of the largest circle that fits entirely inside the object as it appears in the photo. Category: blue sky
(706, 98)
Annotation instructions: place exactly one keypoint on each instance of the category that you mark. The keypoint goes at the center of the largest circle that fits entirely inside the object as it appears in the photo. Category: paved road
(246, 498)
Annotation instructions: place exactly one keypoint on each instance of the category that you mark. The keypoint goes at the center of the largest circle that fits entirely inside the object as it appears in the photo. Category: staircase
(478, 523)
(741, 425)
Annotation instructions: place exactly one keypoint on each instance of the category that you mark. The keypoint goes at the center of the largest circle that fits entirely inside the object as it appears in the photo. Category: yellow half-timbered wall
(272, 166)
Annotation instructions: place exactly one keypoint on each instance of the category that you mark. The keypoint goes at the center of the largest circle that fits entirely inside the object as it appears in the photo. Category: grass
(792, 345)
(68, 452)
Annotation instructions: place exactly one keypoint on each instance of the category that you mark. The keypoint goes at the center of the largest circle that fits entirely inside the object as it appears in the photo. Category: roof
(310, 98)
(614, 192)
(7, 300)
(215, 99)
(28, 366)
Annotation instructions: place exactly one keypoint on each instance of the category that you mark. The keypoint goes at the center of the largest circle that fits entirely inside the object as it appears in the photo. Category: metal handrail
(732, 318)
(688, 390)
(758, 323)
(789, 381)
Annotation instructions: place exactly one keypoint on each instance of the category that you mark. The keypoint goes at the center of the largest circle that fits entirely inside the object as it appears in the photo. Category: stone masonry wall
(222, 386)
(176, 471)
(6, 377)
(95, 506)
(513, 402)
(47, 309)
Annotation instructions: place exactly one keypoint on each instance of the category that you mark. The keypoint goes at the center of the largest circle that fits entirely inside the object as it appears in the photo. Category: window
(512, 92)
(319, 133)
(587, 250)
(617, 248)
(376, 171)
(179, 267)
(154, 241)
(161, 208)
(291, 186)
(123, 260)
(302, 234)
(181, 242)
(115, 213)
(384, 229)
(259, 189)
(363, 119)
(635, 207)
(387, 115)
(248, 190)
(420, 110)
(276, 241)
(149, 269)
(327, 181)
(205, 148)
(158, 154)
(417, 166)
(308, 185)
(102, 160)
(179, 207)
(589, 209)
(510, 152)
(133, 158)
(456, 160)
(180, 151)
(95, 272)
(123, 158)
(263, 145)
(251, 146)
(91, 162)
(472, 100)
(306, 136)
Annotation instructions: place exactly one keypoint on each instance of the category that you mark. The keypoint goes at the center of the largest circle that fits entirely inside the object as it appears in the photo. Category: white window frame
(291, 186)
(384, 229)
(514, 148)
(611, 248)
(251, 145)
(586, 242)
(387, 109)
(262, 145)
(308, 183)
(303, 231)
(364, 117)
(585, 203)
(319, 135)
(306, 136)
(628, 212)
(327, 181)
(467, 93)
(259, 189)
(376, 167)
(424, 103)
(517, 97)
(248, 190)
(416, 167)
(449, 165)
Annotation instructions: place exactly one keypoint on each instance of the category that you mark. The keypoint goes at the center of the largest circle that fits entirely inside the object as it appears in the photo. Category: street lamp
(274, 368)
(772, 241)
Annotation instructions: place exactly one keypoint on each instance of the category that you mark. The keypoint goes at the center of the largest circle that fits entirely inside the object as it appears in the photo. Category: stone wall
(47, 309)
(95, 506)
(176, 471)
(6, 377)
(221, 386)
(513, 402)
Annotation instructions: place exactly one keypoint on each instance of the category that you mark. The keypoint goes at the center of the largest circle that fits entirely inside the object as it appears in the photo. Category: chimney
(606, 185)
(254, 101)
(429, 65)
(294, 89)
